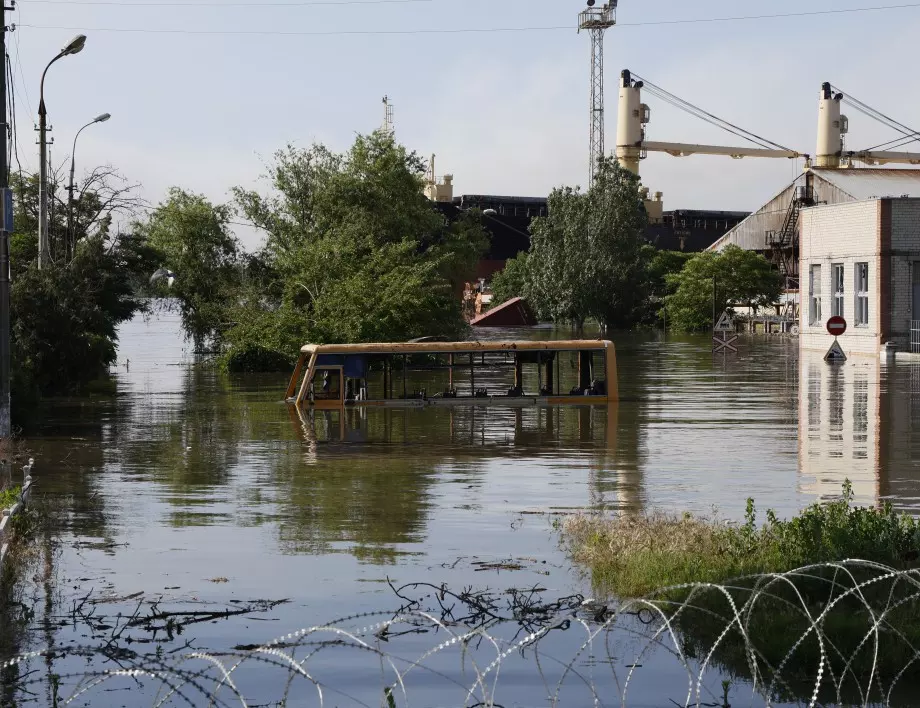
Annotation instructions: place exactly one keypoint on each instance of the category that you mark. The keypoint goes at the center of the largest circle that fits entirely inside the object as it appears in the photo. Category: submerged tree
(192, 239)
(715, 281)
(355, 252)
(64, 317)
(511, 281)
(587, 258)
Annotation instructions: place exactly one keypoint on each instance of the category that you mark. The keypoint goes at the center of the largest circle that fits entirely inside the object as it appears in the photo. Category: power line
(470, 30)
(698, 112)
(215, 3)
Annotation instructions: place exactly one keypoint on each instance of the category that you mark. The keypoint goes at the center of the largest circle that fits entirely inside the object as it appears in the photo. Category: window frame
(860, 295)
(838, 274)
(814, 295)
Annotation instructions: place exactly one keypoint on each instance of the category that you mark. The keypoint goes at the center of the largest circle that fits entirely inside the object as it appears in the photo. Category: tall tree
(65, 317)
(193, 240)
(716, 281)
(587, 259)
(355, 252)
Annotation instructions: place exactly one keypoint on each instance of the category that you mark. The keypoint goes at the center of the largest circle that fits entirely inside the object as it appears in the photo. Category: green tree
(735, 277)
(661, 264)
(511, 281)
(193, 240)
(65, 317)
(587, 258)
(354, 252)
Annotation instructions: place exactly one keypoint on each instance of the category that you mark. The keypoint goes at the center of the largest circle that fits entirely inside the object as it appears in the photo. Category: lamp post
(44, 253)
(71, 236)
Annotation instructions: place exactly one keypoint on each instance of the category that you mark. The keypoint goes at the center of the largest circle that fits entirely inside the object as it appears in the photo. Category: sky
(203, 92)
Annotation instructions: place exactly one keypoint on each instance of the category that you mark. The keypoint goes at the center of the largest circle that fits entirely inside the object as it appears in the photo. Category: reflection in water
(860, 421)
(188, 475)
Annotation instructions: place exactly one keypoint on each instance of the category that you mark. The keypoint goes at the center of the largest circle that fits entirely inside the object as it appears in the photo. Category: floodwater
(193, 489)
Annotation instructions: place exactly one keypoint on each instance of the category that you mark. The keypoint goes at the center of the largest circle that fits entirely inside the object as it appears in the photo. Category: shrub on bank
(632, 556)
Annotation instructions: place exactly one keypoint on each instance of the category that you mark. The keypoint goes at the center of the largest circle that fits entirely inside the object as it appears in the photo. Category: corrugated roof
(872, 183)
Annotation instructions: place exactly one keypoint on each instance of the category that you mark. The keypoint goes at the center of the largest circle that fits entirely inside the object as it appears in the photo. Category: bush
(64, 321)
(253, 358)
(634, 556)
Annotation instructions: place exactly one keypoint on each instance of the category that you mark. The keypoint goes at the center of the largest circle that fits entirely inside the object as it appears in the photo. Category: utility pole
(44, 251)
(6, 227)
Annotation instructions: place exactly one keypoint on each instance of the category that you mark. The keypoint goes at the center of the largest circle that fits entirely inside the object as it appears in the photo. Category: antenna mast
(389, 128)
(596, 20)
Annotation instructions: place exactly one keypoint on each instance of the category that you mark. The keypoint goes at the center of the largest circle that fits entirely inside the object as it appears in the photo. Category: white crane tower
(597, 20)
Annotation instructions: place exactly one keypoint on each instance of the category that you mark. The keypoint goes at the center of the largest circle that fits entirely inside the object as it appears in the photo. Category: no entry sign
(836, 325)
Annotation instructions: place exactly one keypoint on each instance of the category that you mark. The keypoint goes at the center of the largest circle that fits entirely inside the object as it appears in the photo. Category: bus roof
(458, 347)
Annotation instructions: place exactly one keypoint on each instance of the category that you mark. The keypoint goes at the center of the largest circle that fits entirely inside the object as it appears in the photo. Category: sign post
(836, 326)
(726, 328)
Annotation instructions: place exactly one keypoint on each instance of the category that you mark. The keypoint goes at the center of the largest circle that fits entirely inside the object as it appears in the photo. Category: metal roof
(873, 183)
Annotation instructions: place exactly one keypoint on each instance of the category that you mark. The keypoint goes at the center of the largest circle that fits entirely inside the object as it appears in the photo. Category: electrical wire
(908, 134)
(698, 112)
(472, 30)
(215, 3)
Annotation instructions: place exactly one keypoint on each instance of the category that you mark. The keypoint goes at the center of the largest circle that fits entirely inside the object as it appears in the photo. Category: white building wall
(839, 427)
(844, 234)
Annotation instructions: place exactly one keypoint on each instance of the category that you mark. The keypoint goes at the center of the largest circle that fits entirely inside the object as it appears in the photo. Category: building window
(862, 294)
(814, 291)
(838, 289)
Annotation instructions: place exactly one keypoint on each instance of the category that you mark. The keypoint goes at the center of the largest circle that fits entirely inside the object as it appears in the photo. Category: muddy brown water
(200, 489)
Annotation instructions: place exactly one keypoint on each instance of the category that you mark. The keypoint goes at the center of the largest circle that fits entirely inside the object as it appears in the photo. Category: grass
(9, 496)
(644, 556)
(633, 556)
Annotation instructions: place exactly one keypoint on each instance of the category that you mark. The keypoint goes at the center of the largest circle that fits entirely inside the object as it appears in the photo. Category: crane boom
(870, 157)
(684, 149)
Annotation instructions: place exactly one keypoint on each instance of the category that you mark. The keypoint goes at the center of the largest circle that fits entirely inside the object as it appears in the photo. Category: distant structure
(596, 21)
(508, 219)
(389, 126)
(438, 189)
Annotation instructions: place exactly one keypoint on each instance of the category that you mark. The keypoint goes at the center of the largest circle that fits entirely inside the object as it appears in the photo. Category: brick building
(861, 260)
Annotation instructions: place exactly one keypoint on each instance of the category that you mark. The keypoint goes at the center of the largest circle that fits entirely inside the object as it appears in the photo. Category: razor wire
(844, 633)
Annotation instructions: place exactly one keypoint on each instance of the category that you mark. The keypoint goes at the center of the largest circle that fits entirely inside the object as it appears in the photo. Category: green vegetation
(9, 496)
(64, 318)
(782, 626)
(587, 258)
(511, 281)
(589, 261)
(733, 277)
(192, 239)
(354, 252)
(632, 556)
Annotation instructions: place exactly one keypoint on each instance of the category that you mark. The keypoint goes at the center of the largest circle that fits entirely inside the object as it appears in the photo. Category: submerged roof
(873, 182)
(457, 347)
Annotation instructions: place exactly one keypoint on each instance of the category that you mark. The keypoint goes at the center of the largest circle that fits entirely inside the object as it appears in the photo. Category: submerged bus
(522, 373)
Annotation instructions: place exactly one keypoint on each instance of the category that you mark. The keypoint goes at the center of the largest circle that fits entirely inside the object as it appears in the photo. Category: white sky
(506, 112)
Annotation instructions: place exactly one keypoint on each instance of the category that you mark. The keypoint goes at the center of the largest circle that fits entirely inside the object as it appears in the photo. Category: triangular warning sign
(835, 354)
(724, 324)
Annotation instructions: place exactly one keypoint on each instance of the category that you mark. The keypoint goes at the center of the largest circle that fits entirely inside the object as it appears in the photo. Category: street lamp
(71, 236)
(76, 45)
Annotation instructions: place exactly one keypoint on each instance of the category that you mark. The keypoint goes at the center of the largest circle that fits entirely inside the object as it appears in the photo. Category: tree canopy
(354, 252)
(733, 277)
(193, 241)
(587, 258)
(64, 318)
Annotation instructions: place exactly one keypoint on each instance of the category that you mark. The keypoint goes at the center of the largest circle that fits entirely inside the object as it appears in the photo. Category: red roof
(513, 313)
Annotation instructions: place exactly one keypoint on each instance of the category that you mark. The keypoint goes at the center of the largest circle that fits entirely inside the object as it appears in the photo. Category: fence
(915, 336)
(834, 633)
(6, 515)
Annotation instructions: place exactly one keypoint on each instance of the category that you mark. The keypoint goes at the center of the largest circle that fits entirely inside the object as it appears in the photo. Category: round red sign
(836, 325)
